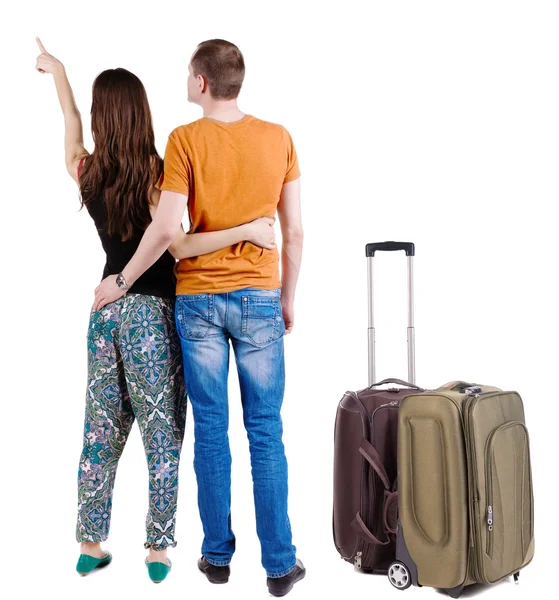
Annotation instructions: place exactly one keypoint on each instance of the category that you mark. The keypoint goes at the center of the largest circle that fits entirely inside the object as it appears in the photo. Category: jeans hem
(218, 563)
(281, 573)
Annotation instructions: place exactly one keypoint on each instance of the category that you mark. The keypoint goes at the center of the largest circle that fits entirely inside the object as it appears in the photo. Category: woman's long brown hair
(125, 162)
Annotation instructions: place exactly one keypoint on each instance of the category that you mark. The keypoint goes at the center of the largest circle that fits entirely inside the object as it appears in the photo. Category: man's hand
(46, 63)
(288, 315)
(106, 292)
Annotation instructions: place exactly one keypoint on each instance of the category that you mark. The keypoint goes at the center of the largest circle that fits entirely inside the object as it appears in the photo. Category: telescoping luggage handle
(370, 251)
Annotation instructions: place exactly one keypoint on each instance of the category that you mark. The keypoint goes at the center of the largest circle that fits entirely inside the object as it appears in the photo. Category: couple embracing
(161, 330)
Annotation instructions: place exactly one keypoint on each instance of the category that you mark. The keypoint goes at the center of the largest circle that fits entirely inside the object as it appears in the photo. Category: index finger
(41, 47)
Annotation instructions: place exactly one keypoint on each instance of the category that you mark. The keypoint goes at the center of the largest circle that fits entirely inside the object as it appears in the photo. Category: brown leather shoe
(280, 586)
(213, 573)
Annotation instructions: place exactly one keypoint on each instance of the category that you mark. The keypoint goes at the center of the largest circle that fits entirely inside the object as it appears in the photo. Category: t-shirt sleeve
(176, 167)
(292, 172)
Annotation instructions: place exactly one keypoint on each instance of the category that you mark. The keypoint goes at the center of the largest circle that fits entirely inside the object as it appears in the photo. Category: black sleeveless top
(158, 280)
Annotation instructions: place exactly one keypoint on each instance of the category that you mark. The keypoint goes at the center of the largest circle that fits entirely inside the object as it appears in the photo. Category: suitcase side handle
(457, 386)
(358, 525)
(408, 247)
(467, 388)
(399, 382)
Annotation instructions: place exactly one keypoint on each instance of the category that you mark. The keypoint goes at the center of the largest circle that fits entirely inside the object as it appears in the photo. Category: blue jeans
(252, 320)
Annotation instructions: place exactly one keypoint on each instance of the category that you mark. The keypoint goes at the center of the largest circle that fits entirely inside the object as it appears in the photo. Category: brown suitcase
(365, 450)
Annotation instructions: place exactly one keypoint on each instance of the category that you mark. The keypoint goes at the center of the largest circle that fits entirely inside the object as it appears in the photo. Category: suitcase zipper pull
(490, 518)
(358, 560)
(391, 403)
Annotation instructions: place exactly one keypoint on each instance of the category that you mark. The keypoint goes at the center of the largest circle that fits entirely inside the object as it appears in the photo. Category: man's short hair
(223, 65)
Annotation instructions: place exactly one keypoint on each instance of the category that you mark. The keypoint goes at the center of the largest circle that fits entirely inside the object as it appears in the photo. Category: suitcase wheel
(399, 576)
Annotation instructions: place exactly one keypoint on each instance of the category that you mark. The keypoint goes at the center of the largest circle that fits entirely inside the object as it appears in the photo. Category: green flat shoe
(157, 571)
(87, 563)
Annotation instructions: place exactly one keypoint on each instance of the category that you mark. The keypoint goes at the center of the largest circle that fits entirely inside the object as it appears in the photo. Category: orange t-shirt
(232, 173)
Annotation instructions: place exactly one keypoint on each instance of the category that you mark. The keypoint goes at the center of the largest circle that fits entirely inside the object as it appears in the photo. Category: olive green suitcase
(465, 505)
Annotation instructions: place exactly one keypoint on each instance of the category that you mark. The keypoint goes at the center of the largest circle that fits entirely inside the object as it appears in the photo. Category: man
(231, 168)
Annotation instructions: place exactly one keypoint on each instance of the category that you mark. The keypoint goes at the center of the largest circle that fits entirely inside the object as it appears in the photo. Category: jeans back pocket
(262, 320)
(194, 314)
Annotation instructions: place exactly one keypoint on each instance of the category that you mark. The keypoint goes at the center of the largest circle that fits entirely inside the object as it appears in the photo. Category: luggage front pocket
(508, 511)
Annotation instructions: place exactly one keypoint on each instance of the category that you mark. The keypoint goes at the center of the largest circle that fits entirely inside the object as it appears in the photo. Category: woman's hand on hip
(261, 232)
(106, 292)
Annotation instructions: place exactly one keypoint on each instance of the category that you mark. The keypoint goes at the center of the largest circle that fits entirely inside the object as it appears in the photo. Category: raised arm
(73, 131)
(289, 212)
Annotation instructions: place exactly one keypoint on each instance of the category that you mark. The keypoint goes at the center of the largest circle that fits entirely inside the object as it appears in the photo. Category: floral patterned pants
(134, 372)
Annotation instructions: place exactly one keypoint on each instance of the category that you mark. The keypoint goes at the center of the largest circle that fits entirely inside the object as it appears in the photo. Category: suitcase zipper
(474, 504)
(471, 476)
(391, 403)
(475, 527)
(368, 484)
(489, 549)
(489, 482)
(358, 557)
(489, 495)
(369, 548)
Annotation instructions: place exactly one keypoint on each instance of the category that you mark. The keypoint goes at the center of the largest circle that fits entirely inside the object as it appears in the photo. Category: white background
(434, 122)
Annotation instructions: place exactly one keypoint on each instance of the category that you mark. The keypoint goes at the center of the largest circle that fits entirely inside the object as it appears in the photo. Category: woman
(134, 363)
